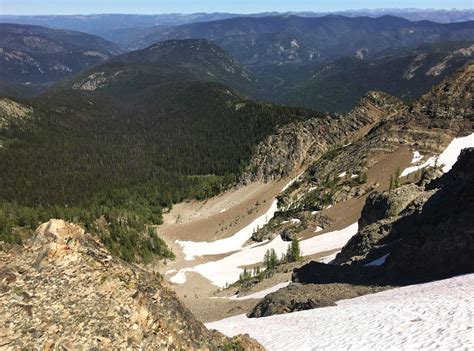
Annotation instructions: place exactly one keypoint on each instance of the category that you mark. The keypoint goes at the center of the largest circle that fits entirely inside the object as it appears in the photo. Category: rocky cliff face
(452, 99)
(425, 235)
(299, 143)
(64, 291)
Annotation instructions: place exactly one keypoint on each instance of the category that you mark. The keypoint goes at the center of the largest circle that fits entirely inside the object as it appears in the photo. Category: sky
(35, 7)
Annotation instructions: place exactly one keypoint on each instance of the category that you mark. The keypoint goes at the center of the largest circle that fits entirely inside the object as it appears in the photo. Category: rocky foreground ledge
(64, 291)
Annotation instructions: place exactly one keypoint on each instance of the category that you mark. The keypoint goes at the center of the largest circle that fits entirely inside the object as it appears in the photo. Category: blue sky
(189, 6)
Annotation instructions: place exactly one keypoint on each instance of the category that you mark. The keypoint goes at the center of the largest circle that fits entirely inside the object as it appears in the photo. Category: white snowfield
(446, 159)
(228, 269)
(426, 316)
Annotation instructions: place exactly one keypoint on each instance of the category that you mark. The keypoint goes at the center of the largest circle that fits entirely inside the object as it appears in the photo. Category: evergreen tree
(293, 252)
(270, 259)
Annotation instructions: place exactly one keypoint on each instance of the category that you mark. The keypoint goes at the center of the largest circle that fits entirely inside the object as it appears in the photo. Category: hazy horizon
(148, 7)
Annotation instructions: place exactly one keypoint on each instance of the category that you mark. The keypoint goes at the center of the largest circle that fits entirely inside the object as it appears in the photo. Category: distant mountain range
(281, 40)
(111, 26)
(40, 55)
(326, 63)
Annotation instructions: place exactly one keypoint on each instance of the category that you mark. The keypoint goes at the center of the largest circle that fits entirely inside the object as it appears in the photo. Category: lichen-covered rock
(300, 297)
(388, 203)
(64, 291)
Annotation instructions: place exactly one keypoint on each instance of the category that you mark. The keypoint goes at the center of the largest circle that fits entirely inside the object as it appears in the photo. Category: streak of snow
(191, 249)
(343, 174)
(295, 220)
(228, 268)
(291, 182)
(261, 294)
(354, 176)
(436, 315)
(428, 163)
(447, 158)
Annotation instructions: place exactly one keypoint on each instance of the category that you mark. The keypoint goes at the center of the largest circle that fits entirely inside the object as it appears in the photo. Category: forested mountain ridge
(406, 73)
(204, 59)
(37, 54)
(279, 40)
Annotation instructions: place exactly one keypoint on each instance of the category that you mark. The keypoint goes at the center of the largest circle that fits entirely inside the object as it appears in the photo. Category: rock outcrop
(300, 297)
(64, 291)
(298, 143)
(388, 203)
(452, 99)
(435, 241)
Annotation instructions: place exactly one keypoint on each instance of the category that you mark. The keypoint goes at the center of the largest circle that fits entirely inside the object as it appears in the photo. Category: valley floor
(425, 316)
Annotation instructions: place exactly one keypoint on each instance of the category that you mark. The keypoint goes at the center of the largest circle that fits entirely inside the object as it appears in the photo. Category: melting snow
(425, 316)
(295, 220)
(318, 229)
(343, 174)
(192, 249)
(261, 294)
(227, 269)
(447, 158)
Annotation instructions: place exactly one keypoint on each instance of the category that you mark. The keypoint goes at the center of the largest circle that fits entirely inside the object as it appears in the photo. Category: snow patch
(261, 294)
(416, 157)
(425, 316)
(343, 174)
(447, 158)
(318, 229)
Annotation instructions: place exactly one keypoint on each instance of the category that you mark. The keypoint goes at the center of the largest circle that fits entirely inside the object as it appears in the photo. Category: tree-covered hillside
(124, 141)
